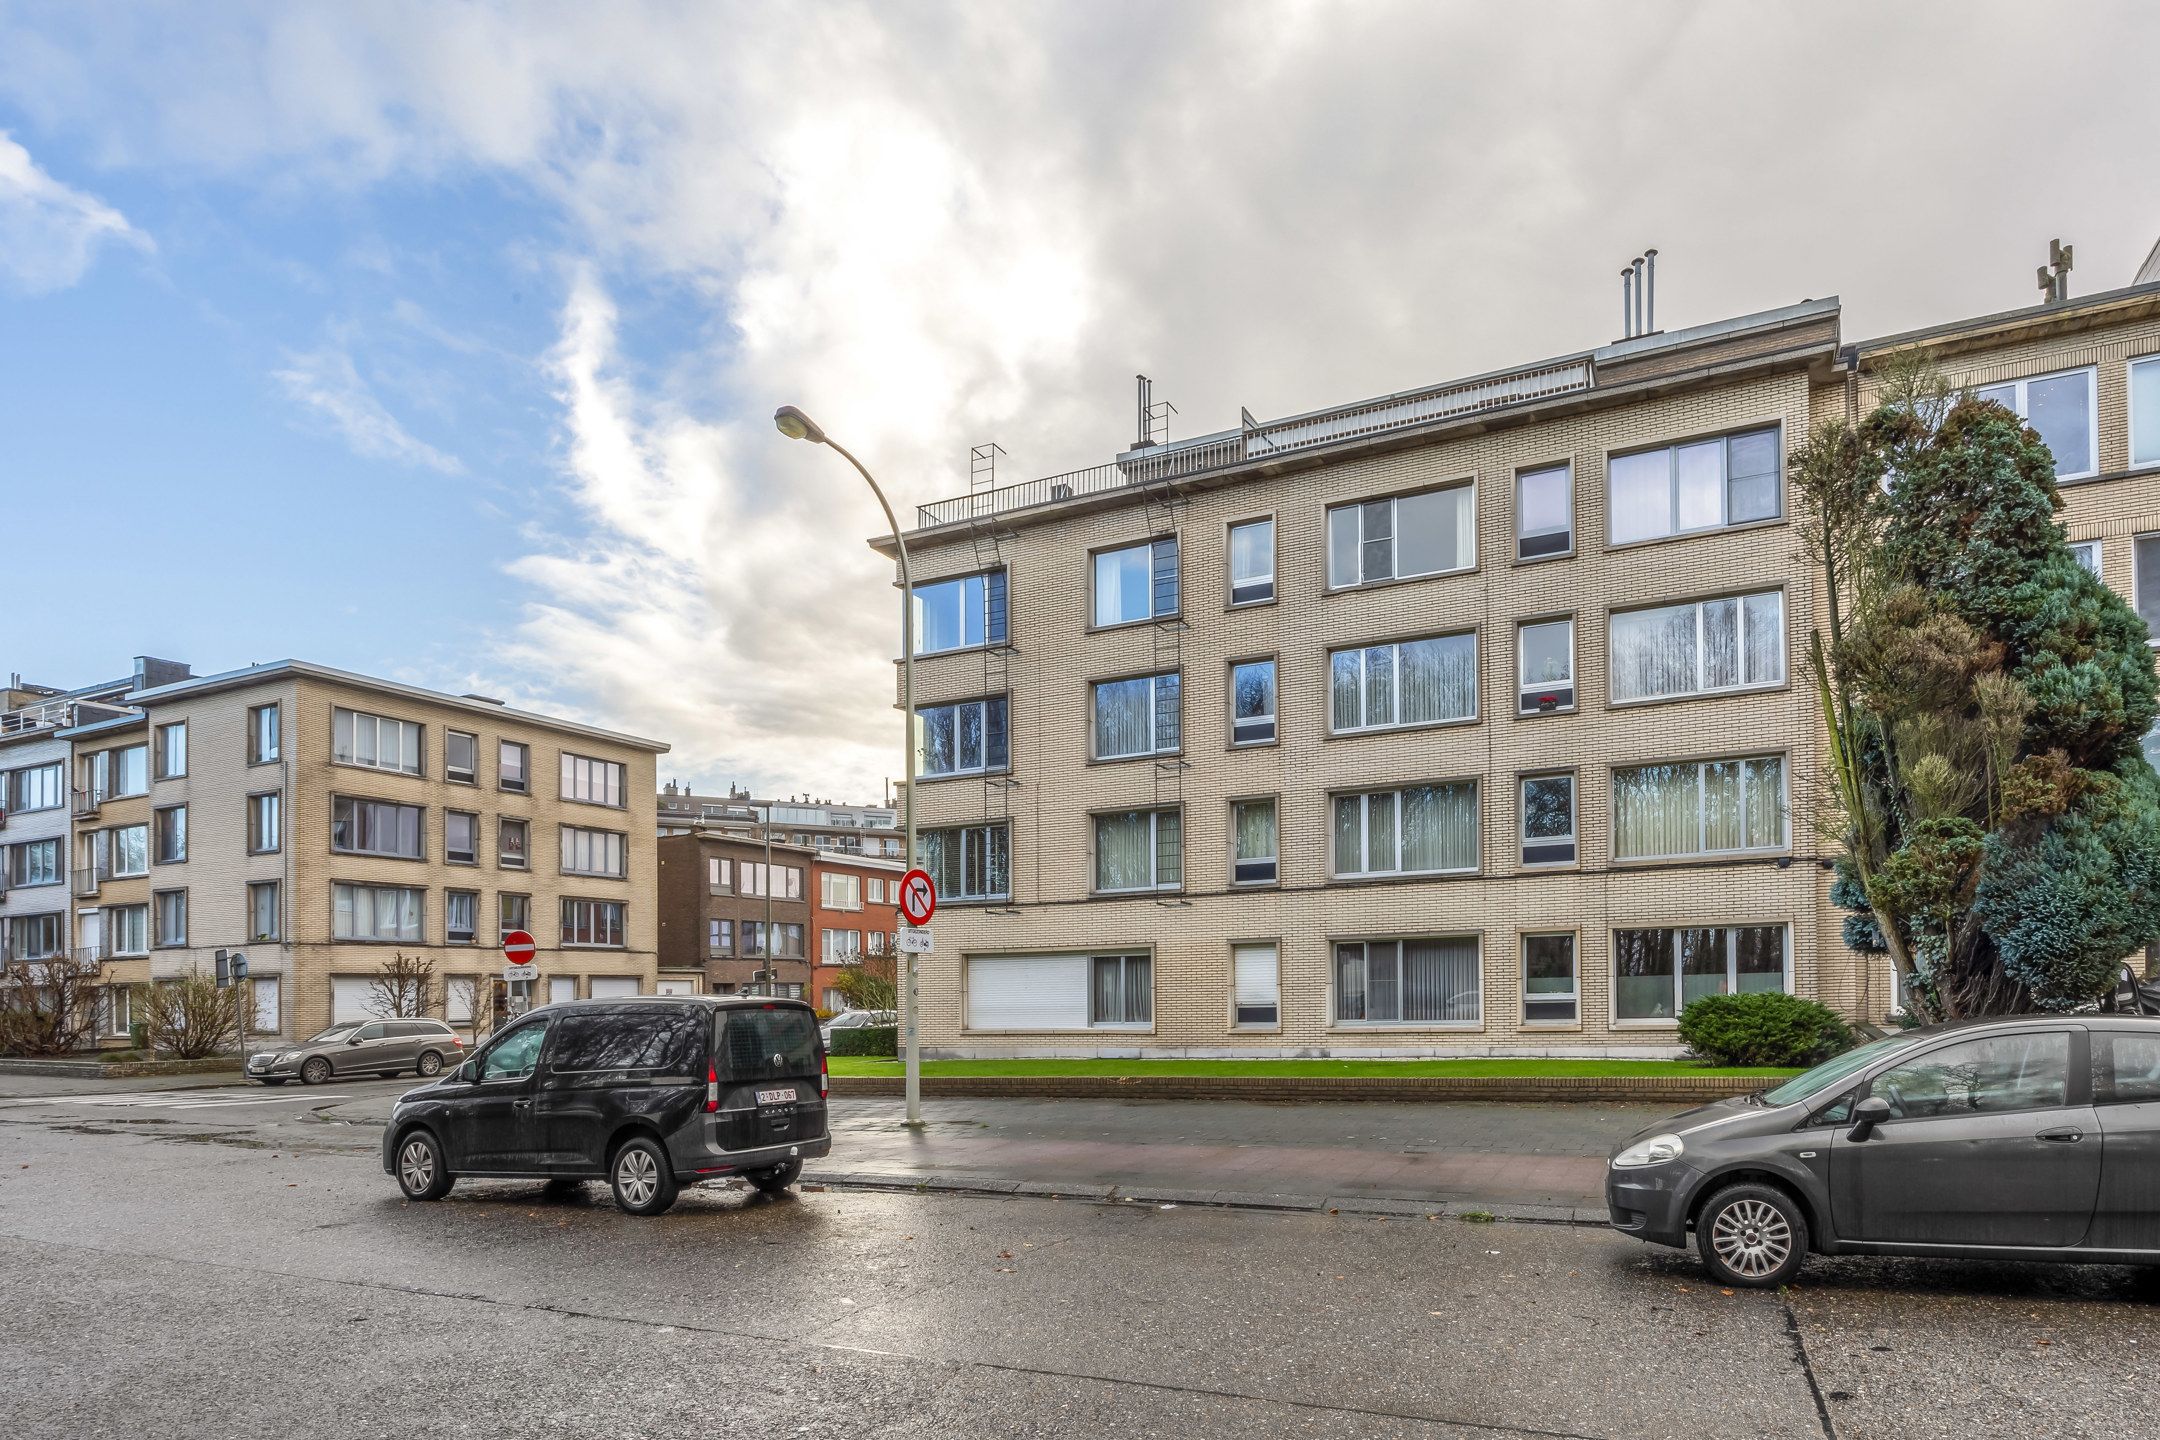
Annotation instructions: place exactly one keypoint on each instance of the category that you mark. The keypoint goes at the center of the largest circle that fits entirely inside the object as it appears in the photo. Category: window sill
(1401, 1027)
(1614, 546)
(594, 804)
(1404, 878)
(1073, 1030)
(1165, 619)
(264, 760)
(1359, 734)
(1243, 885)
(466, 860)
(1654, 700)
(461, 780)
(575, 945)
(1260, 604)
(1706, 857)
(1673, 1024)
(376, 855)
(1129, 759)
(1136, 894)
(1551, 1026)
(337, 764)
(951, 775)
(1522, 714)
(514, 869)
(1522, 560)
(1394, 580)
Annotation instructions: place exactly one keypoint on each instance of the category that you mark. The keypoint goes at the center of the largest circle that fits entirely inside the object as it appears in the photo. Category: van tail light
(712, 1087)
(824, 1077)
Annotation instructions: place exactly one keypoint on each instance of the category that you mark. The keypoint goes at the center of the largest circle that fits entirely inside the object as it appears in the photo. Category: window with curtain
(2060, 409)
(1138, 582)
(375, 827)
(263, 734)
(1657, 972)
(593, 922)
(1255, 985)
(592, 782)
(1733, 643)
(375, 741)
(1709, 808)
(1544, 512)
(1549, 986)
(1548, 820)
(1137, 717)
(1545, 666)
(1253, 842)
(1252, 562)
(172, 750)
(1414, 682)
(968, 862)
(171, 917)
(1252, 702)
(1403, 536)
(1703, 485)
(512, 912)
(968, 738)
(959, 614)
(1139, 850)
(263, 910)
(591, 852)
(460, 911)
(1122, 990)
(1408, 982)
(376, 912)
(2145, 411)
(1421, 830)
(128, 929)
(171, 824)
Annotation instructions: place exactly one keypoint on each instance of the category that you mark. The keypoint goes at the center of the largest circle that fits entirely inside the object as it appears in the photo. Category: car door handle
(2068, 1135)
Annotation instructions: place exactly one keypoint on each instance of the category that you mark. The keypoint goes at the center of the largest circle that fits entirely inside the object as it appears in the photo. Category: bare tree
(47, 1007)
(192, 1019)
(399, 990)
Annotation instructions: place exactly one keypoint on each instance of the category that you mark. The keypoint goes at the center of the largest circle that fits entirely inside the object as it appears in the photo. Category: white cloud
(49, 233)
(327, 383)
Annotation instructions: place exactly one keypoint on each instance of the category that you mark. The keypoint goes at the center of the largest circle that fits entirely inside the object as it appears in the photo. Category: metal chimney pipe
(1627, 302)
(1638, 267)
(1145, 406)
(1650, 293)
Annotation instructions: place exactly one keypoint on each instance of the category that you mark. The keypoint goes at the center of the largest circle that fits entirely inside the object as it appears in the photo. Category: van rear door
(768, 1061)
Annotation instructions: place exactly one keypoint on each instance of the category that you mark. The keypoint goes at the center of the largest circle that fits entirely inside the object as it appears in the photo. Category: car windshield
(1823, 1076)
(335, 1032)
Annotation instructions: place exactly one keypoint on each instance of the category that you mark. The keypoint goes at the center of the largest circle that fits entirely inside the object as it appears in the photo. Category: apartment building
(321, 822)
(855, 912)
(798, 820)
(1470, 719)
(736, 913)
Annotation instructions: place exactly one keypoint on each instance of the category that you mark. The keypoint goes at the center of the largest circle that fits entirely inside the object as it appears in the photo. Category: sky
(441, 342)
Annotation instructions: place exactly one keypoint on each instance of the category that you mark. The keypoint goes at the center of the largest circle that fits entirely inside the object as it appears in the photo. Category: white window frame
(349, 721)
(266, 992)
(1273, 860)
(472, 925)
(2098, 555)
(1731, 929)
(1274, 953)
(1702, 808)
(589, 780)
(2137, 363)
(1364, 651)
(985, 610)
(1154, 715)
(1524, 689)
(469, 775)
(1671, 450)
(2092, 408)
(1394, 502)
(1124, 960)
(1154, 616)
(1231, 581)
(1156, 884)
(840, 891)
(1364, 799)
(922, 737)
(1572, 839)
(1566, 468)
(1740, 642)
(980, 838)
(1573, 997)
(1272, 719)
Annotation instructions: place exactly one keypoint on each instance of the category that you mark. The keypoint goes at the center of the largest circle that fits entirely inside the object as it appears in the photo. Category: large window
(1544, 512)
(113, 774)
(789, 937)
(1549, 985)
(172, 750)
(841, 947)
(1252, 562)
(840, 892)
(591, 852)
(1421, 830)
(376, 912)
(969, 738)
(1253, 842)
(592, 922)
(1123, 991)
(959, 614)
(1545, 666)
(169, 834)
(1415, 682)
(35, 787)
(1408, 982)
(785, 880)
(1138, 717)
(594, 782)
(1733, 643)
(265, 735)
(2060, 409)
(375, 827)
(126, 850)
(1705, 485)
(2145, 411)
(1139, 850)
(1716, 807)
(1252, 702)
(1138, 582)
(970, 862)
(33, 937)
(127, 929)
(1403, 536)
(1255, 986)
(2145, 583)
(34, 862)
(376, 741)
(1548, 820)
(1059, 992)
(1657, 972)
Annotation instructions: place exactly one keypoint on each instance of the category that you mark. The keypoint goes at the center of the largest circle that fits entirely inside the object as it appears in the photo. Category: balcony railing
(88, 800)
(86, 881)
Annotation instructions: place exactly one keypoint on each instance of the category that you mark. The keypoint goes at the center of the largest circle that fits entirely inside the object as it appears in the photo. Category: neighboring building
(797, 820)
(1469, 719)
(717, 895)
(854, 909)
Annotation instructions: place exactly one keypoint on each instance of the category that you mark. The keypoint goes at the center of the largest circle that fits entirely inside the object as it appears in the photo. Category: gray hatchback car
(364, 1047)
(2029, 1139)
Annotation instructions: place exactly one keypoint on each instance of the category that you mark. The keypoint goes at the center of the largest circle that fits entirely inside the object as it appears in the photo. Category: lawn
(1273, 1069)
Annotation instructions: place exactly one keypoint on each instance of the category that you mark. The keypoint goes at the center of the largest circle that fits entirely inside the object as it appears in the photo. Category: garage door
(349, 997)
(608, 987)
(1027, 992)
(675, 987)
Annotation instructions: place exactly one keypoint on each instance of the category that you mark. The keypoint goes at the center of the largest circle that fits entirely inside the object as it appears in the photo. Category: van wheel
(421, 1173)
(316, 1071)
(644, 1184)
(778, 1178)
(1752, 1235)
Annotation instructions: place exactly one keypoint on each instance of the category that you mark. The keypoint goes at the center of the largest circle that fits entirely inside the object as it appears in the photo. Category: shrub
(878, 1041)
(1762, 1029)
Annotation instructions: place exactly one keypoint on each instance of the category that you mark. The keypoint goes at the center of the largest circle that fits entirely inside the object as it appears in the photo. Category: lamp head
(792, 423)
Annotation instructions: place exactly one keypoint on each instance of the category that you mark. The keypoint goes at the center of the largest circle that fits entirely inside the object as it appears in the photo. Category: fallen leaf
(1724, 1292)
(1333, 1211)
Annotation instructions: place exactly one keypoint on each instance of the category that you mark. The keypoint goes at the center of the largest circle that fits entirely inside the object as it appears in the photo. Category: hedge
(879, 1041)
(1762, 1028)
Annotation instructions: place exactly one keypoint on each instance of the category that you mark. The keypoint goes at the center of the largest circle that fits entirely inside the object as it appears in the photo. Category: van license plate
(776, 1097)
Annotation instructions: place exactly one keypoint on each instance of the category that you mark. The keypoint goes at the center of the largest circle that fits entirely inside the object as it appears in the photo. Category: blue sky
(440, 341)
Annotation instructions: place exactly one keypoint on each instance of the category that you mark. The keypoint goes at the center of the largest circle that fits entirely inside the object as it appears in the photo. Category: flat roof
(2076, 308)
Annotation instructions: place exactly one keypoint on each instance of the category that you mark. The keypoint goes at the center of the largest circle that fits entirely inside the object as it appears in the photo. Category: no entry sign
(518, 947)
(918, 897)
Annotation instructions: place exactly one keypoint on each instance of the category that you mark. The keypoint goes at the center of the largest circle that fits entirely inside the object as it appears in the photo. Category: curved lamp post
(792, 423)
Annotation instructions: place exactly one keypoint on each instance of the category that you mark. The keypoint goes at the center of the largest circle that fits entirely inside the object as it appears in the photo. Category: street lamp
(798, 426)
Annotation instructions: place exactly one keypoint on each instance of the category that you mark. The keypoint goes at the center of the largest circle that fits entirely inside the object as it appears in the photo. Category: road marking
(167, 1100)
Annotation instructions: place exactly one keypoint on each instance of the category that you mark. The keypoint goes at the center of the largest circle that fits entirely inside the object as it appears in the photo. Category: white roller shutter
(561, 988)
(349, 996)
(1027, 992)
(1255, 983)
(609, 987)
(675, 987)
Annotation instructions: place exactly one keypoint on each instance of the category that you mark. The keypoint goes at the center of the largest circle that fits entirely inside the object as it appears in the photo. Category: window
(970, 862)
(128, 850)
(127, 927)
(874, 942)
(375, 827)
(959, 614)
(591, 852)
(1422, 830)
(841, 892)
(2060, 409)
(2145, 411)
(262, 897)
(1139, 850)
(964, 739)
(720, 937)
(1714, 808)
(1255, 998)
(719, 875)
(170, 827)
(1544, 512)
(1994, 1074)
(265, 822)
(376, 912)
(1252, 702)
(460, 916)
(1138, 717)
(2125, 1067)
(1416, 682)
(843, 947)
(664, 1042)
(2087, 554)
(786, 880)
(513, 766)
(264, 735)
(34, 862)
(111, 774)
(510, 838)
(172, 750)
(1549, 988)
(2152, 746)
(1139, 582)
(461, 837)
(1408, 982)
(513, 1056)
(34, 937)
(1730, 644)
(1548, 820)
(875, 890)
(1705, 485)
(171, 917)
(512, 912)
(1403, 536)
(461, 994)
(1657, 972)
(1123, 992)
(1252, 562)
(790, 939)
(116, 1008)
(1545, 667)
(594, 782)
(268, 1008)
(1252, 842)
(461, 757)
(592, 922)
(2145, 583)
(375, 741)
(35, 787)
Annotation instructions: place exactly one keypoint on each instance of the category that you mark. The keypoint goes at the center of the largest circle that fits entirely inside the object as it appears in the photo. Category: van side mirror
(1866, 1116)
(469, 1071)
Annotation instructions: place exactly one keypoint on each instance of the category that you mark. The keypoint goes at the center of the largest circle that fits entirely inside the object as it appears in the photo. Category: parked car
(369, 1047)
(856, 1020)
(648, 1093)
(2036, 1138)
(2133, 994)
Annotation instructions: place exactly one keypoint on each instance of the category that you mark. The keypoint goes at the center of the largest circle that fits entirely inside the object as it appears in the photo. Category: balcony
(87, 802)
(87, 878)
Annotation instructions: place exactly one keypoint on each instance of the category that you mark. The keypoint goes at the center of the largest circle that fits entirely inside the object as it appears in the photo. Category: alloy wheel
(638, 1176)
(416, 1166)
(1752, 1237)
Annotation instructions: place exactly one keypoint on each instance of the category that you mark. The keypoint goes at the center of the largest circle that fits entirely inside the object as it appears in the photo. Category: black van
(647, 1093)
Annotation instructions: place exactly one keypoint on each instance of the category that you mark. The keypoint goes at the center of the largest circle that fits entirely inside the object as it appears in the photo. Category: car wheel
(421, 1172)
(273, 1080)
(1752, 1235)
(316, 1071)
(777, 1179)
(644, 1185)
(430, 1064)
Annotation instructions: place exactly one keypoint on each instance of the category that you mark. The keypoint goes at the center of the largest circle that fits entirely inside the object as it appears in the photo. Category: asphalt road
(234, 1263)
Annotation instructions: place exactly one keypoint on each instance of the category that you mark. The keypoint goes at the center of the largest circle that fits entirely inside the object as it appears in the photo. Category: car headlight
(286, 1057)
(1656, 1150)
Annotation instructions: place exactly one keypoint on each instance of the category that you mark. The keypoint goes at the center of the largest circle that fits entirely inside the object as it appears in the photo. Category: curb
(124, 1070)
(1413, 1088)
